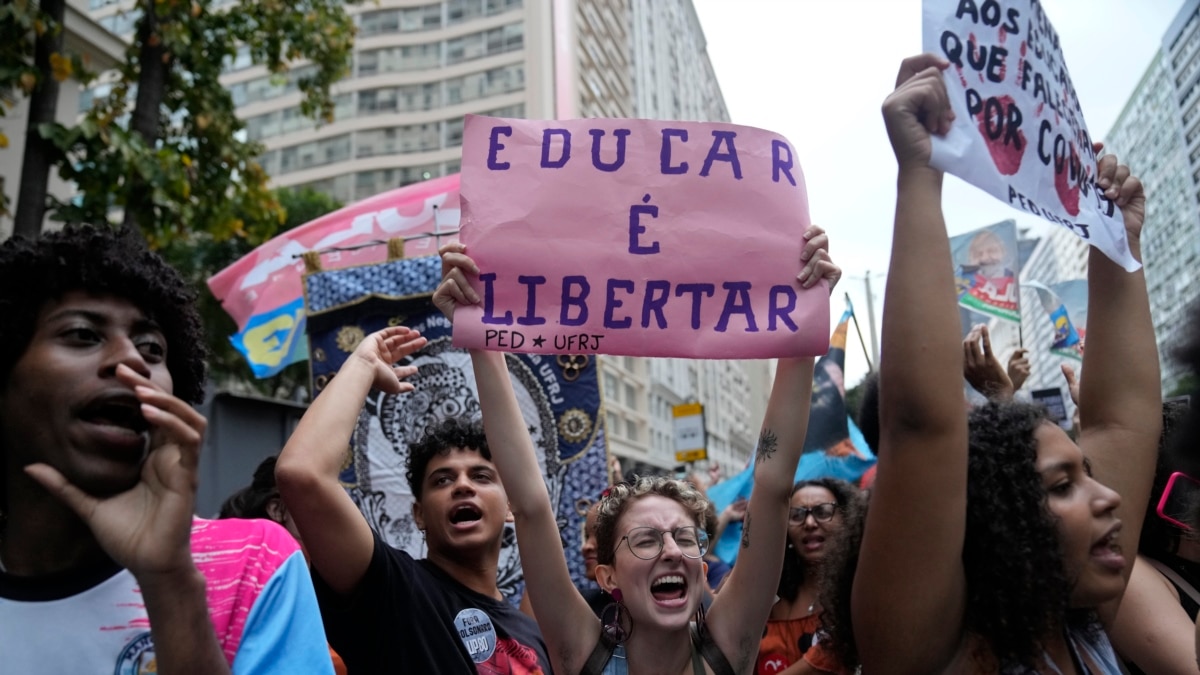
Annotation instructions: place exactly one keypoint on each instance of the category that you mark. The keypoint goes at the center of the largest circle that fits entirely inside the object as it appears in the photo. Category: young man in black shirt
(383, 609)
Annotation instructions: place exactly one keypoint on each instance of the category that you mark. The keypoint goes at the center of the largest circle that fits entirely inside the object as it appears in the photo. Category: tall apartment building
(1162, 125)
(418, 68)
(674, 78)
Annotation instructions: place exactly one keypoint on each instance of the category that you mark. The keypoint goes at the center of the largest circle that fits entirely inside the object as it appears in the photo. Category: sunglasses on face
(821, 513)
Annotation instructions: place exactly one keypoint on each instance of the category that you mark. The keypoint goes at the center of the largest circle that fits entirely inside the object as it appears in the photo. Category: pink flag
(262, 291)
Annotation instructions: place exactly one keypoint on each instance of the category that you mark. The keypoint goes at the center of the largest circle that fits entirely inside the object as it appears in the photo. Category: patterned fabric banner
(559, 397)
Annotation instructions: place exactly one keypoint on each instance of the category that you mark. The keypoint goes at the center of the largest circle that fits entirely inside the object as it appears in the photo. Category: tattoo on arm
(768, 443)
(746, 532)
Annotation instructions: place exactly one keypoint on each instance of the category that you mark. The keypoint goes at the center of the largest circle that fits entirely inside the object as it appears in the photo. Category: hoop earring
(614, 620)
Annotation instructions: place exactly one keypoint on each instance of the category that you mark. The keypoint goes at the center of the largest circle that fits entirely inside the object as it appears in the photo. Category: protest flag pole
(871, 319)
(854, 317)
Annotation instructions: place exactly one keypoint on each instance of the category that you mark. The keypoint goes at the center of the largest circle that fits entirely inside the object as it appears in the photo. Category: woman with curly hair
(817, 514)
(835, 588)
(651, 536)
(995, 544)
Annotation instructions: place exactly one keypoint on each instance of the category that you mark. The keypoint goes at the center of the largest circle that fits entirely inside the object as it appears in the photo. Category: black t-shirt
(408, 616)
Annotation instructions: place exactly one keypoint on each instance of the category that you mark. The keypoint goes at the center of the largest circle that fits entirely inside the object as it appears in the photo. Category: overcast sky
(816, 71)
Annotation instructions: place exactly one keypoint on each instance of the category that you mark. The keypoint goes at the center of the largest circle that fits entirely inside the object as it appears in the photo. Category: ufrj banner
(833, 447)
(1019, 132)
(559, 398)
(262, 291)
(1066, 305)
(985, 262)
(636, 237)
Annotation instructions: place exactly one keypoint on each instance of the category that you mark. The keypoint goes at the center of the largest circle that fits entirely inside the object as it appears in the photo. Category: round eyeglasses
(821, 513)
(647, 542)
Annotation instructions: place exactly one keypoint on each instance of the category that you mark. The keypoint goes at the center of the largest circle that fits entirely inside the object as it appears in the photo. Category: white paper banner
(1019, 132)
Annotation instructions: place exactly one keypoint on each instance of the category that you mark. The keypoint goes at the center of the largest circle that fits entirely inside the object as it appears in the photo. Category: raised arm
(1152, 629)
(910, 588)
(569, 626)
(1120, 396)
(335, 534)
(739, 612)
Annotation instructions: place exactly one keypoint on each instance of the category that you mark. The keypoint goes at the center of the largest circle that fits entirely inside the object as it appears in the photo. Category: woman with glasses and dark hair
(818, 511)
(650, 535)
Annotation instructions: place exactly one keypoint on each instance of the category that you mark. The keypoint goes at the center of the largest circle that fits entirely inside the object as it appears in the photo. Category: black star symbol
(537, 341)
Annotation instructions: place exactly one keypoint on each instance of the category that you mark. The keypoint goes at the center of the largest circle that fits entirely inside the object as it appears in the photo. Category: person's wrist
(177, 578)
(912, 169)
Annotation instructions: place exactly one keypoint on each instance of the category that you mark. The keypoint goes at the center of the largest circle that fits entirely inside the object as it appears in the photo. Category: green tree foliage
(164, 148)
(199, 255)
(33, 63)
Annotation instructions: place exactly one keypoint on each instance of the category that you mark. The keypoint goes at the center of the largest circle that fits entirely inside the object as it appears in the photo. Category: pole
(871, 319)
(857, 329)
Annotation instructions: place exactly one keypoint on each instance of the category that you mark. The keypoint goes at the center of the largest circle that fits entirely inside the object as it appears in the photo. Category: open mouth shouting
(465, 516)
(669, 590)
(117, 420)
(1107, 550)
(813, 542)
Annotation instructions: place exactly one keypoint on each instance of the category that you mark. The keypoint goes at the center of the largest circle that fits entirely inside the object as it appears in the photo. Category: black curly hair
(100, 260)
(1018, 588)
(868, 411)
(791, 578)
(1159, 537)
(440, 439)
(837, 583)
(252, 500)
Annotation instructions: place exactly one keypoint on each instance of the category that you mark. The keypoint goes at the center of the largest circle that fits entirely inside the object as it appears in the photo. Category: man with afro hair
(102, 565)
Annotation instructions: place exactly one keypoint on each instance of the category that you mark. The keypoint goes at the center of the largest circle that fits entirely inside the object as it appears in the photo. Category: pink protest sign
(636, 237)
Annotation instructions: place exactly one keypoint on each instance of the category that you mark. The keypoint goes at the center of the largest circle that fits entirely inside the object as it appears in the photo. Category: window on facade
(491, 7)
(631, 430)
(406, 20)
(315, 153)
(458, 11)
(371, 183)
(610, 385)
(613, 424)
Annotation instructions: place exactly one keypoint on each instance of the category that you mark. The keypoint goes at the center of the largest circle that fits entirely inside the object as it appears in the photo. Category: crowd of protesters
(991, 540)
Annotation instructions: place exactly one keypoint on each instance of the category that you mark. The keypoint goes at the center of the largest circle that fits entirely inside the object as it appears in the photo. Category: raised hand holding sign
(1019, 132)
